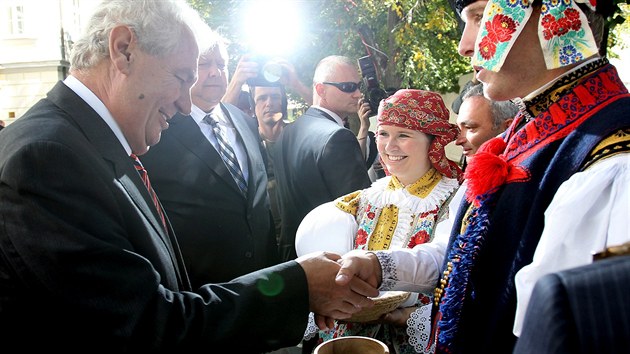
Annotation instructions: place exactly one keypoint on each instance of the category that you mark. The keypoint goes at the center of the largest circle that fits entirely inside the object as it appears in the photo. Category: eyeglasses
(348, 87)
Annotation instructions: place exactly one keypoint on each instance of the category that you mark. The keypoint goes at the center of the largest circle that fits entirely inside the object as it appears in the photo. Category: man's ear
(121, 41)
(319, 89)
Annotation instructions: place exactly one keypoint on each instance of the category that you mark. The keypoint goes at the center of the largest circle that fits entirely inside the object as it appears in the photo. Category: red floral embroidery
(487, 48)
(371, 215)
(572, 14)
(361, 237)
(423, 299)
(553, 27)
(419, 238)
(424, 214)
(501, 28)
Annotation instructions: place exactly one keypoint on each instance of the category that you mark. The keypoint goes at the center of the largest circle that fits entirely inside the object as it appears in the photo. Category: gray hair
(158, 26)
(326, 67)
(500, 110)
(208, 39)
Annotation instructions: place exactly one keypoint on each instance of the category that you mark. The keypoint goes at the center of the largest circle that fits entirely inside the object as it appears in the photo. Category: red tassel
(489, 170)
(485, 172)
(495, 146)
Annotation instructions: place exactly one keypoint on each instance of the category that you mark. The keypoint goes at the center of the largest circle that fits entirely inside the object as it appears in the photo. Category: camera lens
(272, 72)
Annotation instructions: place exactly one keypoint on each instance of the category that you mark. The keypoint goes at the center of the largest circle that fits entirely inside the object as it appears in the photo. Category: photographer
(249, 68)
(372, 95)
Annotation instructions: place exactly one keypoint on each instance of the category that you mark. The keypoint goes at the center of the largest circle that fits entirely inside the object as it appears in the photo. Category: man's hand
(291, 81)
(329, 298)
(360, 264)
(245, 69)
(364, 114)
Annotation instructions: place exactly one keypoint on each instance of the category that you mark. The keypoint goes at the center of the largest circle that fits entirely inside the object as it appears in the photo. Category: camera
(373, 92)
(269, 72)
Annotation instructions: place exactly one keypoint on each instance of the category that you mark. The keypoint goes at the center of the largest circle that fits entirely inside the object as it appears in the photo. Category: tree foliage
(413, 42)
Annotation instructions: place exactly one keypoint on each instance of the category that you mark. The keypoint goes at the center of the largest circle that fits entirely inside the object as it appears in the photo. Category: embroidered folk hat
(425, 112)
(563, 31)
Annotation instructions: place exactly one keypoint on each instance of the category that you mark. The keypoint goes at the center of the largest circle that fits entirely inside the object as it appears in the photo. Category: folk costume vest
(392, 216)
(555, 135)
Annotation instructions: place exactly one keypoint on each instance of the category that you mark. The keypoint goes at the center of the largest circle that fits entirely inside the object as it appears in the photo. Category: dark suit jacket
(222, 234)
(580, 310)
(316, 160)
(85, 264)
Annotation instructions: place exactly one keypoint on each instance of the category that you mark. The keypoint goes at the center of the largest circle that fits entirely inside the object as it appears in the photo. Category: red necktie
(145, 178)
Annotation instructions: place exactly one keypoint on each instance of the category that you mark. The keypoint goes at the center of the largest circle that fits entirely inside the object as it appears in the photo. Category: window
(16, 20)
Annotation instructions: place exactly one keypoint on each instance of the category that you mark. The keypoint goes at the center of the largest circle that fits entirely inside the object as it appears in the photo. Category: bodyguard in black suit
(316, 158)
(86, 262)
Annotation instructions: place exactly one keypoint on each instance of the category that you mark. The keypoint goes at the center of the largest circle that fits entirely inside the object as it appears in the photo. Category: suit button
(248, 254)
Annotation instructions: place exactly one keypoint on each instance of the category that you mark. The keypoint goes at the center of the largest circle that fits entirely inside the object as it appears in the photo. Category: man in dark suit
(316, 158)
(88, 263)
(223, 232)
(580, 310)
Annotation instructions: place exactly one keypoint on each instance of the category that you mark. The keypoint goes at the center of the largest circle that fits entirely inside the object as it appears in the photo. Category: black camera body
(269, 72)
(373, 92)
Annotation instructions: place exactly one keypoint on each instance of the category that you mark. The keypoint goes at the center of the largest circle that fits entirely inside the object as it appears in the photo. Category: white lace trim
(311, 327)
(419, 330)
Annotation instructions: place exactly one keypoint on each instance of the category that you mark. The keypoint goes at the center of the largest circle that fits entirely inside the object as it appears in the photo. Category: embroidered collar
(420, 188)
(540, 100)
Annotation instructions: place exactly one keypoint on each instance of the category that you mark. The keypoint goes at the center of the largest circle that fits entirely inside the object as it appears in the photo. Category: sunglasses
(348, 87)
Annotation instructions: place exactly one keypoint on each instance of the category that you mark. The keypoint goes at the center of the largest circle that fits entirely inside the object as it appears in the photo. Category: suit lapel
(132, 183)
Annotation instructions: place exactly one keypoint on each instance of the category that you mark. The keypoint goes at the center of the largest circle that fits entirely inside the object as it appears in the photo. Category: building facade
(35, 40)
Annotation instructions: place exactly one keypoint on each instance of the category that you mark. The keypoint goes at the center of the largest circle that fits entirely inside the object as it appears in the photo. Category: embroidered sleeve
(388, 269)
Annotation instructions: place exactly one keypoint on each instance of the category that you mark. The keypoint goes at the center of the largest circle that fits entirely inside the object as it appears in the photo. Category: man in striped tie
(209, 173)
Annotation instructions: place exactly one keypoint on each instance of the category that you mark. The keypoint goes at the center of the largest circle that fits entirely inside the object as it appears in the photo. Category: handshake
(340, 286)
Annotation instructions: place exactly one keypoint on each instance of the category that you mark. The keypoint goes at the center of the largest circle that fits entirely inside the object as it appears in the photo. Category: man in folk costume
(573, 125)
(559, 174)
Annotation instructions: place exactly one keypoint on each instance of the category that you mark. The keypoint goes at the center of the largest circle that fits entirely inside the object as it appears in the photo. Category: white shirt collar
(217, 113)
(97, 105)
(334, 115)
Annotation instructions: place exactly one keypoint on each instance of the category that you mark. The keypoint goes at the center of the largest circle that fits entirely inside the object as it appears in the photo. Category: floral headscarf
(425, 112)
(563, 30)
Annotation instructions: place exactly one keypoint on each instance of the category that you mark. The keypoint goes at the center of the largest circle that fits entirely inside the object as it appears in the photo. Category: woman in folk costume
(401, 210)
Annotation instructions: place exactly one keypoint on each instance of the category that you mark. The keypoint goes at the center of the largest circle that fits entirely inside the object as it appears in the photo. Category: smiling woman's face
(405, 152)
